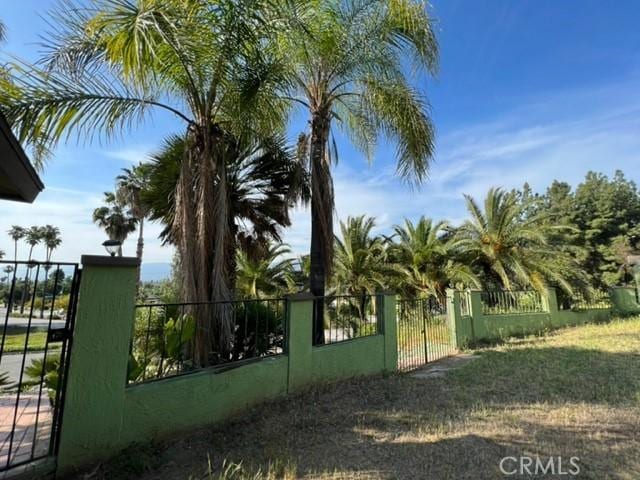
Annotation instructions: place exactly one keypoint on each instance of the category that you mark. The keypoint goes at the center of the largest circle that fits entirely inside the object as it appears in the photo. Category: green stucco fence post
(454, 315)
(387, 322)
(624, 301)
(94, 399)
(476, 315)
(299, 340)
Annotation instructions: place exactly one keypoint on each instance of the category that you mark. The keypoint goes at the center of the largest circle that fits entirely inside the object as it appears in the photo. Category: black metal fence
(37, 310)
(424, 332)
(346, 317)
(597, 300)
(504, 302)
(180, 338)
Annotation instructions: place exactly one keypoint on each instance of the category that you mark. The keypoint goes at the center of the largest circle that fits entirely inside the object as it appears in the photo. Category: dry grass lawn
(573, 393)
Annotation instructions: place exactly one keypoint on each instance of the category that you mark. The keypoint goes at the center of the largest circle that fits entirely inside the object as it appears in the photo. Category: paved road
(12, 363)
(35, 322)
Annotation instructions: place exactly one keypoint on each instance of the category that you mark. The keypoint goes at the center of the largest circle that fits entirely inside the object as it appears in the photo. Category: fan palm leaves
(16, 233)
(429, 259)
(264, 274)
(115, 219)
(265, 180)
(130, 185)
(514, 250)
(349, 71)
(361, 265)
(51, 240)
(112, 63)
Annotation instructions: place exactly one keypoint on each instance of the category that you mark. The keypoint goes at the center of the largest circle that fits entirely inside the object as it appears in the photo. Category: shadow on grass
(547, 401)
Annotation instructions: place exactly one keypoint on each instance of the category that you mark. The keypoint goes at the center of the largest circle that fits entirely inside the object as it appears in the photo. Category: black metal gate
(37, 310)
(424, 333)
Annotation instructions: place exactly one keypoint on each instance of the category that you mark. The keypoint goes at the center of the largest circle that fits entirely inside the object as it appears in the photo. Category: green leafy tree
(513, 251)
(349, 68)
(361, 269)
(16, 233)
(429, 260)
(361, 265)
(129, 186)
(264, 274)
(51, 240)
(265, 180)
(115, 219)
(210, 64)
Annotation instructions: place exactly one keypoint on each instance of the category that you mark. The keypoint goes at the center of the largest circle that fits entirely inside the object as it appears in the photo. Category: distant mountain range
(154, 272)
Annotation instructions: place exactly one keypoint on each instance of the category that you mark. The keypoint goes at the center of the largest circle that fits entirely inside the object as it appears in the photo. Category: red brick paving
(25, 431)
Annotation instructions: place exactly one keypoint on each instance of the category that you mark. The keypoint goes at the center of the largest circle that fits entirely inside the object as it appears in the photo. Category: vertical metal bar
(9, 309)
(44, 363)
(24, 359)
(63, 369)
(146, 346)
(161, 327)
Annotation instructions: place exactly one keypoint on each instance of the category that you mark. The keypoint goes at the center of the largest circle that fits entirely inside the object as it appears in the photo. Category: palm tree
(51, 239)
(8, 270)
(16, 233)
(264, 274)
(428, 259)
(361, 267)
(349, 66)
(265, 180)
(2, 254)
(212, 65)
(115, 219)
(129, 187)
(33, 237)
(515, 250)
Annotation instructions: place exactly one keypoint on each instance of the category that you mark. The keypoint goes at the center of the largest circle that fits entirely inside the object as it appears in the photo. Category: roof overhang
(18, 179)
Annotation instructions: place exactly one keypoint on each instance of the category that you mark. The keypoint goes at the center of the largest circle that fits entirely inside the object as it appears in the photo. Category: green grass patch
(16, 337)
(572, 393)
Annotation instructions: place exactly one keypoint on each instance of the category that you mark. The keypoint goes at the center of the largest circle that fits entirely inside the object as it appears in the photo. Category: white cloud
(558, 136)
(538, 143)
(132, 154)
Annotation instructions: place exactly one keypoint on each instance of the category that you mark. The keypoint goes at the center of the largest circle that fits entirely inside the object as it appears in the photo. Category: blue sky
(527, 91)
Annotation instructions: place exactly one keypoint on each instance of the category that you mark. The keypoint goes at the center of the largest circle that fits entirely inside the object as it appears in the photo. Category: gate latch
(57, 335)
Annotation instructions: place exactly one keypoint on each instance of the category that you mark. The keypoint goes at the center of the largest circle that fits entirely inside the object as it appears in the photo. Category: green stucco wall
(478, 327)
(157, 409)
(103, 415)
(362, 356)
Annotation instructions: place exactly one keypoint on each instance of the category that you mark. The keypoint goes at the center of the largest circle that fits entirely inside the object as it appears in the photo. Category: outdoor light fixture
(112, 247)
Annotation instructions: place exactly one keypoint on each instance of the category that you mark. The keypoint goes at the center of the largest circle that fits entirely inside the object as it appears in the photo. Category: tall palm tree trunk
(27, 278)
(220, 281)
(202, 229)
(321, 254)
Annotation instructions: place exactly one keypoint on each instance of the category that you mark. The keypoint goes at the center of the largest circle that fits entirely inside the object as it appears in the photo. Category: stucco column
(299, 340)
(454, 315)
(387, 323)
(93, 407)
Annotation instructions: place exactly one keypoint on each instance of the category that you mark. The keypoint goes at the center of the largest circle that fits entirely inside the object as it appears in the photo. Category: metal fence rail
(37, 309)
(173, 339)
(503, 302)
(424, 333)
(597, 300)
(346, 317)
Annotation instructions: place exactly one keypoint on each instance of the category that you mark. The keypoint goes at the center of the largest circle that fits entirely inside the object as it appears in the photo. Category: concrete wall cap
(108, 261)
